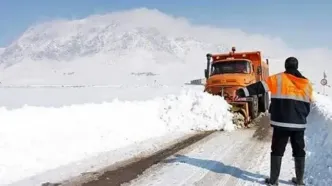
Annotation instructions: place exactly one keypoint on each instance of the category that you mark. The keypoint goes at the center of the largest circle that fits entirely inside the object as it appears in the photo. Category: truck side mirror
(206, 73)
(259, 70)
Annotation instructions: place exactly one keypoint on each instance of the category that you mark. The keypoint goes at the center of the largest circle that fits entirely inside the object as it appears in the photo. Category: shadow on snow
(221, 168)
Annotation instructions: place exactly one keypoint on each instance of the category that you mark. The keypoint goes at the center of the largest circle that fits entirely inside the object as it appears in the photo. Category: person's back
(290, 101)
(291, 95)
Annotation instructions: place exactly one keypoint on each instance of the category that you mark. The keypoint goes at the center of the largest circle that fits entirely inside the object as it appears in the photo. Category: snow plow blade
(241, 115)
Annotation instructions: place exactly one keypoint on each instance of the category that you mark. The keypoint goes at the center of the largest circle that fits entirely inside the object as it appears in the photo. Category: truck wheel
(253, 106)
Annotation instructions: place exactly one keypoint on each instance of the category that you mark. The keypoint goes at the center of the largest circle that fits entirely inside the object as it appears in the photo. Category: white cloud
(312, 61)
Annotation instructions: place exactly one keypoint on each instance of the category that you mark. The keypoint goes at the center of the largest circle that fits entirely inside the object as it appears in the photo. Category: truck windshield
(231, 67)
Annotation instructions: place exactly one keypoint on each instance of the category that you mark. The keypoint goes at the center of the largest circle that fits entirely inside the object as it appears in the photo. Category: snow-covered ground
(80, 138)
(319, 143)
(36, 139)
(221, 159)
(58, 96)
(238, 159)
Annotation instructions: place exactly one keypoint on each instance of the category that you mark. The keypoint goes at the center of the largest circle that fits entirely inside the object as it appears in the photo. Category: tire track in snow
(236, 158)
(232, 172)
(126, 171)
(197, 148)
(243, 161)
(190, 168)
(199, 173)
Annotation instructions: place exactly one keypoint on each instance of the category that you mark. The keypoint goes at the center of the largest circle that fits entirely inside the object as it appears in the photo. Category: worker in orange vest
(291, 97)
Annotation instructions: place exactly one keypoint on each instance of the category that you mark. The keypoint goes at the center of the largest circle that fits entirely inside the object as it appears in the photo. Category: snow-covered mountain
(127, 41)
(123, 47)
(110, 33)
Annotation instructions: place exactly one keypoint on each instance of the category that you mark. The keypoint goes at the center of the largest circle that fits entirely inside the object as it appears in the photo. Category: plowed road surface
(222, 158)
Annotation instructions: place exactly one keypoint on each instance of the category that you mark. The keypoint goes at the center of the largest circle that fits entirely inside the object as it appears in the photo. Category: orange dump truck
(227, 72)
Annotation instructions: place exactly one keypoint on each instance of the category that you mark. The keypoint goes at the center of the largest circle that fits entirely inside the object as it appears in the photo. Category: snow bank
(36, 139)
(319, 143)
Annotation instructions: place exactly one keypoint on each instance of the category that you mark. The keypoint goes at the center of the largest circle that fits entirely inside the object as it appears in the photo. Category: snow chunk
(196, 111)
(36, 139)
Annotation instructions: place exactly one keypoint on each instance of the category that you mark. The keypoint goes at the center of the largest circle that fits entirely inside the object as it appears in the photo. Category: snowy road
(221, 159)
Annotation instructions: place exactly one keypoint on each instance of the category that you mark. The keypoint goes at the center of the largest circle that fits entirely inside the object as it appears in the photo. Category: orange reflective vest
(290, 99)
(286, 86)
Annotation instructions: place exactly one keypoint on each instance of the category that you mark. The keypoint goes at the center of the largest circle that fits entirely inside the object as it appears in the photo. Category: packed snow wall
(32, 137)
(319, 142)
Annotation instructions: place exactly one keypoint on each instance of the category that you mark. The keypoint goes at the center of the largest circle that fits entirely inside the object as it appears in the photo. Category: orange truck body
(223, 78)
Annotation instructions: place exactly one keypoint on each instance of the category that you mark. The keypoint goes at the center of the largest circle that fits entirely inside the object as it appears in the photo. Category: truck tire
(254, 108)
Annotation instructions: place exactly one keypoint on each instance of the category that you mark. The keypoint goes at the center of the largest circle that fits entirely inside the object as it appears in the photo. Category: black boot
(275, 165)
(299, 171)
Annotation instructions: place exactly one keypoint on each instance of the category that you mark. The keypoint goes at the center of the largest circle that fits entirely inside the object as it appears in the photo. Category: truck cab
(227, 72)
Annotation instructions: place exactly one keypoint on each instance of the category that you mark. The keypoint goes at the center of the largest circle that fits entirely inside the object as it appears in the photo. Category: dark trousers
(280, 139)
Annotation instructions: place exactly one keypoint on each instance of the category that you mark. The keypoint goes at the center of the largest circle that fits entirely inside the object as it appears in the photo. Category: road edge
(128, 169)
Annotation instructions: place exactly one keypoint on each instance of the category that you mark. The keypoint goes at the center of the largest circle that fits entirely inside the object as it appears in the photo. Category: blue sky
(301, 24)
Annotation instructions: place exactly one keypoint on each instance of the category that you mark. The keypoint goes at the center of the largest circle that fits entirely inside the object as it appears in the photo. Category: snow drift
(319, 143)
(36, 139)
